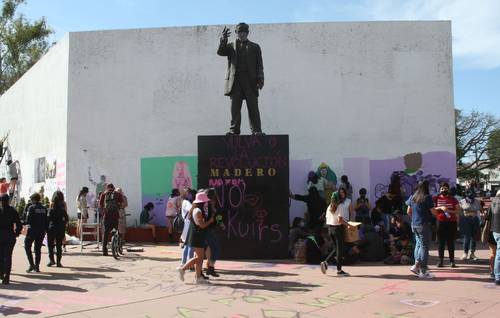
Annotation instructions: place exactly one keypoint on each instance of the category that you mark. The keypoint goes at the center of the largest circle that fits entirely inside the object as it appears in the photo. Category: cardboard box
(351, 233)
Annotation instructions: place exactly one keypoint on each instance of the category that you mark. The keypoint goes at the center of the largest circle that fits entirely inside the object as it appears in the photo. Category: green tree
(22, 43)
(477, 142)
(493, 146)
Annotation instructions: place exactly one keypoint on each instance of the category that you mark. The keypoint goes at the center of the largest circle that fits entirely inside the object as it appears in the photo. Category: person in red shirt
(447, 207)
(110, 202)
(4, 186)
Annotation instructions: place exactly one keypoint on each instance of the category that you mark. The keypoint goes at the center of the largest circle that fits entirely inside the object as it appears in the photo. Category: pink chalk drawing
(45, 307)
(79, 299)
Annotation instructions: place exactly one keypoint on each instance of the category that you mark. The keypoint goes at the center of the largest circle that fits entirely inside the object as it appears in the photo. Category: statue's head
(242, 30)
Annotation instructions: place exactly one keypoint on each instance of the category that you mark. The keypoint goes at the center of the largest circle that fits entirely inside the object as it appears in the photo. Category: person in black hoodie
(36, 223)
(316, 207)
(8, 217)
(58, 218)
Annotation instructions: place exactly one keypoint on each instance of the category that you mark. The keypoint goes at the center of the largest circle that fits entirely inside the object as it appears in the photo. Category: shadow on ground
(269, 285)
(240, 272)
(26, 286)
(10, 311)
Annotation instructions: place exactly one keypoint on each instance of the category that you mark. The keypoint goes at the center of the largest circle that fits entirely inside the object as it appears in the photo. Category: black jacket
(58, 217)
(37, 219)
(254, 62)
(9, 217)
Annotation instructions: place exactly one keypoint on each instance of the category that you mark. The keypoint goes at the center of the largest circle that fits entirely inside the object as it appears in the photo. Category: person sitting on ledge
(146, 218)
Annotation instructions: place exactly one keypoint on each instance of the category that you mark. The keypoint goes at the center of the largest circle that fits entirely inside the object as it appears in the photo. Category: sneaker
(426, 275)
(465, 256)
(324, 267)
(30, 269)
(211, 271)
(59, 265)
(414, 269)
(452, 264)
(181, 273)
(204, 277)
(440, 263)
(492, 274)
(473, 257)
(342, 273)
(201, 281)
(37, 269)
(497, 282)
(51, 263)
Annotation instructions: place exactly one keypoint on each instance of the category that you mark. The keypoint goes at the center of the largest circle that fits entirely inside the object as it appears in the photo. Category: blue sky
(475, 26)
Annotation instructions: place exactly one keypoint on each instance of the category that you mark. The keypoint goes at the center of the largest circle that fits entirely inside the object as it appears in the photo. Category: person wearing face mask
(245, 76)
(470, 223)
(447, 207)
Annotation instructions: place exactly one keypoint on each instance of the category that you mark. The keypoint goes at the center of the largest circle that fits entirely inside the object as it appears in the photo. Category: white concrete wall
(34, 111)
(340, 90)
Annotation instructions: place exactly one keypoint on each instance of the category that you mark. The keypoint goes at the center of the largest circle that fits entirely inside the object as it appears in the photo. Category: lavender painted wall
(433, 166)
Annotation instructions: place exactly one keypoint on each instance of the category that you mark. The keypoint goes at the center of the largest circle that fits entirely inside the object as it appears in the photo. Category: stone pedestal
(251, 178)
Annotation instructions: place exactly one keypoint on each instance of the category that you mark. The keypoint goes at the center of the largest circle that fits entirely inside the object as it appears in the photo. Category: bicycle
(117, 242)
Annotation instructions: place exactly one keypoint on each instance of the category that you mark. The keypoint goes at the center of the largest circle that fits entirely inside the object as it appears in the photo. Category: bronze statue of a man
(244, 78)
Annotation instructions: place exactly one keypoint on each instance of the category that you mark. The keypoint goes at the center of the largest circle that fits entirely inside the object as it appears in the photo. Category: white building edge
(98, 102)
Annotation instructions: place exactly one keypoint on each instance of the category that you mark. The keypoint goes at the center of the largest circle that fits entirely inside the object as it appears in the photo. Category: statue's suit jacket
(254, 60)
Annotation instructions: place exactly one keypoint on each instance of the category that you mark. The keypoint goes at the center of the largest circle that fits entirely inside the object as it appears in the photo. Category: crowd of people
(336, 230)
(398, 229)
(40, 222)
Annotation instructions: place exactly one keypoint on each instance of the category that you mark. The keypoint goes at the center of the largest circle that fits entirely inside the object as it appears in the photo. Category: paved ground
(146, 285)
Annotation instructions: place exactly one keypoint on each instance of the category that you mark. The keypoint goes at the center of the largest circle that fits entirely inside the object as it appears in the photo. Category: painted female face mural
(327, 173)
(181, 176)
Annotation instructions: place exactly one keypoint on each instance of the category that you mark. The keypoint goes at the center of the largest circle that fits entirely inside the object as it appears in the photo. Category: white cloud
(475, 24)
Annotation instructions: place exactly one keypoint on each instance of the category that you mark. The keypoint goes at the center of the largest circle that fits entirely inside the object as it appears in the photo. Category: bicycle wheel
(120, 245)
(115, 246)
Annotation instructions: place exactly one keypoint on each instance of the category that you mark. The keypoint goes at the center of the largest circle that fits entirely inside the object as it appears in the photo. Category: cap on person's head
(201, 197)
(242, 27)
(119, 190)
(110, 186)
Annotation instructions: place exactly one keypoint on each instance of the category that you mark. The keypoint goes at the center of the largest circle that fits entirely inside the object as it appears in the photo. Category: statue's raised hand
(225, 33)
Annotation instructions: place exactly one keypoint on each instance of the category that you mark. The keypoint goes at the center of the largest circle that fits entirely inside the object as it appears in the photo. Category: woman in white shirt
(82, 207)
(187, 251)
(339, 212)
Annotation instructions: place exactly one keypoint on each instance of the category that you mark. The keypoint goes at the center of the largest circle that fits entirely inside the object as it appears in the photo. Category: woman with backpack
(58, 218)
(173, 208)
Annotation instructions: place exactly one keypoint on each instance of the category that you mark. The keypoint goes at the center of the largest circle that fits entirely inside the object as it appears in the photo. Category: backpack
(178, 223)
(111, 205)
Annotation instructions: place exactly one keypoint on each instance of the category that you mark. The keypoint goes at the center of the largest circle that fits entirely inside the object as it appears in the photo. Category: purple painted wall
(434, 166)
